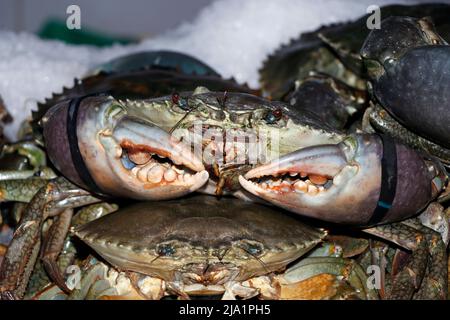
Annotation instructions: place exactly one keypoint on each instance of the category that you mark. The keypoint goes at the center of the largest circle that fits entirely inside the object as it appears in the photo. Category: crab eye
(389, 63)
(254, 250)
(181, 102)
(175, 98)
(273, 116)
(166, 250)
(251, 247)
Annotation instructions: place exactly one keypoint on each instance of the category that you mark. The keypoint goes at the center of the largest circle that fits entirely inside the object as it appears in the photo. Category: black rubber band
(77, 158)
(388, 180)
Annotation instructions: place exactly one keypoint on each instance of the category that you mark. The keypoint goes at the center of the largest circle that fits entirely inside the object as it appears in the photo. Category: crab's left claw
(341, 183)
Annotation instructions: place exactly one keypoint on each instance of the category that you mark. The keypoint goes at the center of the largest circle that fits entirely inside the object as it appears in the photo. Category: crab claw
(341, 183)
(121, 155)
(151, 162)
(141, 139)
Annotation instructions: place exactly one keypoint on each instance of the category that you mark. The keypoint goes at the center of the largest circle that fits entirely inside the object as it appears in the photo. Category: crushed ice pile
(232, 36)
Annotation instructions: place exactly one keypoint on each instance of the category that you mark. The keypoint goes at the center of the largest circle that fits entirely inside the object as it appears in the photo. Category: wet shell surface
(163, 238)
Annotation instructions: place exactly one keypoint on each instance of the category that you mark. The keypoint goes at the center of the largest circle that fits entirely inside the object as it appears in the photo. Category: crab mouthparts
(209, 273)
(312, 171)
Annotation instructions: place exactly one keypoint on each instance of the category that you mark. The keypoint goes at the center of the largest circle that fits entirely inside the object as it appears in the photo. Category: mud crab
(334, 50)
(214, 247)
(136, 133)
(141, 141)
(177, 169)
(22, 185)
(323, 72)
(59, 195)
(287, 181)
(330, 182)
(200, 244)
(333, 101)
(410, 63)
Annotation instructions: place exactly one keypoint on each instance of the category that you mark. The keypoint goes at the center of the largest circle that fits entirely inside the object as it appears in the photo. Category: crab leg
(52, 199)
(83, 216)
(409, 279)
(57, 239)
(16, 174)
(348, 269)
(99, 281)
(424, 243)
(435, 282)
(315, 278)
(21, 190)
(39, 278)
(381, 120)
(52, 246)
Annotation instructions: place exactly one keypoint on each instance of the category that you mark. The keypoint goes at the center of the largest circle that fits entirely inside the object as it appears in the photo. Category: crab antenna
(181, 120)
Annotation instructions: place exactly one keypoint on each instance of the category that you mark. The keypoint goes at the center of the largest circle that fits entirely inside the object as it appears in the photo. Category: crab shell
(416, 91)
(410, 69)
(200, 240)
(161, 59)
(334, 49)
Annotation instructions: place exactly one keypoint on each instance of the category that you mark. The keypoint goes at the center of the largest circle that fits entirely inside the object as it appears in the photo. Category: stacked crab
(340, 194)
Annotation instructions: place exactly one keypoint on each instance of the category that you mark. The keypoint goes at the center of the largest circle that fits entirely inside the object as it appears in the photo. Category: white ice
(232, 36)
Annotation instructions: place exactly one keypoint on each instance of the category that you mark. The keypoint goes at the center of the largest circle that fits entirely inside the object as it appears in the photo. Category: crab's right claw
(105, 150)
